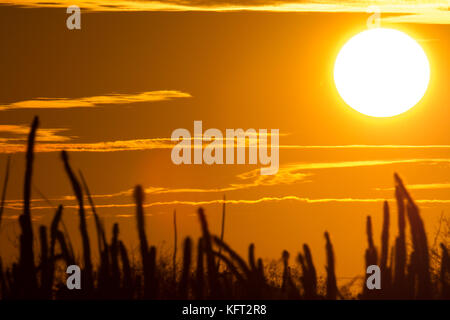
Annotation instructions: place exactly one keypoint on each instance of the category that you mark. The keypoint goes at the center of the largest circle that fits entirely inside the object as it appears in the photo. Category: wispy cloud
(423, 186)
(432, 16)
(107, 146)
(290, 171)
(288, 174)
(95, 101)
(368, 146)
(20, 132)
(422, 11)
(18, 206)
(269, 180)
(9, 145)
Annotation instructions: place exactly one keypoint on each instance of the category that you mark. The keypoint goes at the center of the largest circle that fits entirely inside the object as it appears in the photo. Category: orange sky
(113, 92)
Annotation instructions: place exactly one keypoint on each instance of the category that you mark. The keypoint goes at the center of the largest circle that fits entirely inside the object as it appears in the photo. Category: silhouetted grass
(5, 186)
(116, 277)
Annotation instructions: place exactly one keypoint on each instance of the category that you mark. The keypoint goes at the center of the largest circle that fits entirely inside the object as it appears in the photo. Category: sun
(381, 72)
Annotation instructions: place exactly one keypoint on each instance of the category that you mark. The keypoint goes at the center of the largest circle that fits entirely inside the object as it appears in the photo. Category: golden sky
(113, 92)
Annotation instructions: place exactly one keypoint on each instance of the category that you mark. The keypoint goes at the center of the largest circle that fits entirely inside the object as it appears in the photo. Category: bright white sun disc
(381, 72)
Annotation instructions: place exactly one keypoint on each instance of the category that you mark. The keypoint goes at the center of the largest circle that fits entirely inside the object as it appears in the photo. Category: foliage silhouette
(219, 271)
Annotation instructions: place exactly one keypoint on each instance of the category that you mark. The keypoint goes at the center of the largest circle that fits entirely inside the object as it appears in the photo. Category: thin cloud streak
(108, 146)
(167, 143)
(432, 17)
(286, 175)
(367, 146)
(95, 101)
(418, 12)
(239, 202)
(293, 169)
(20, 133)
(424, 186)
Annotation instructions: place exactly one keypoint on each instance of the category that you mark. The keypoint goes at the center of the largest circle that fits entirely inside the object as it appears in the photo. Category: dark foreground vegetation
(210, 269)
